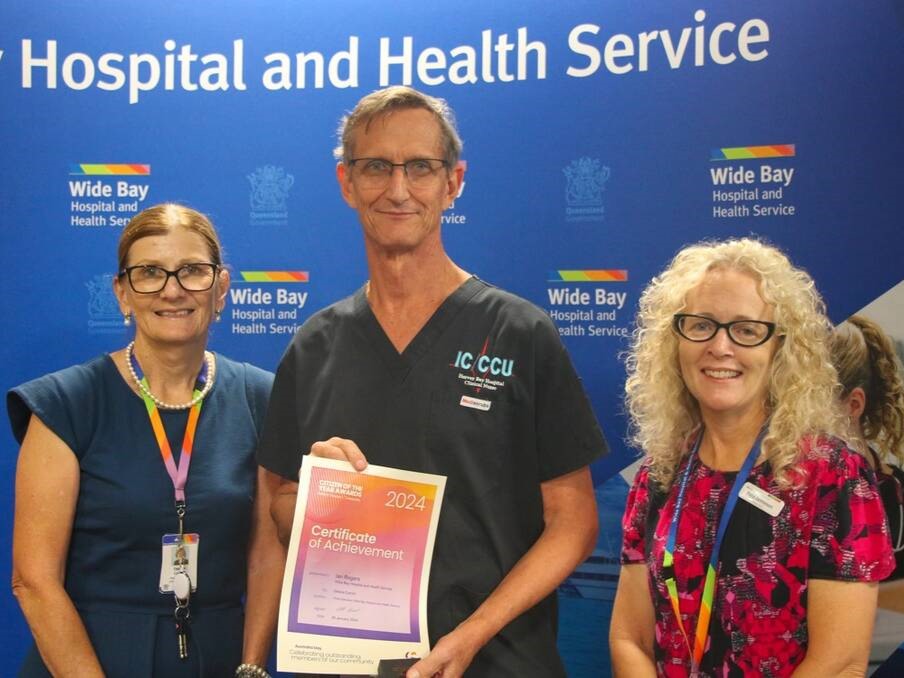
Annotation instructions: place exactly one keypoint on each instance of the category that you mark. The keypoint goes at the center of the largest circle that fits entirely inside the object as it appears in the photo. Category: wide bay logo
(269, 192)
(103, 309)
(753, 181)
(586, 180)
(99, 199)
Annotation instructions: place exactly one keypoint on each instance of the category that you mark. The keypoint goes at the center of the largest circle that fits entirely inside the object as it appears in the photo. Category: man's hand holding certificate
(355, 585)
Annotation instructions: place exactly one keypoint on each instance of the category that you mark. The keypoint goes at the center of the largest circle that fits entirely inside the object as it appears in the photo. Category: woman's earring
(127, 319)
(217, 316)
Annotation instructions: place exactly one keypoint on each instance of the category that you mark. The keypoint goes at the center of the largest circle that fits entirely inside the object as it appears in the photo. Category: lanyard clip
(180, 513)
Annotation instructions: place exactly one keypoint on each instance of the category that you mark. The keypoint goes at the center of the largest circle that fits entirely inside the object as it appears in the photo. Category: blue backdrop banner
(599, 139)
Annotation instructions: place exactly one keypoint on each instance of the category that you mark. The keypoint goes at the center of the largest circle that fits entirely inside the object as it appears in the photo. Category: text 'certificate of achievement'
(355, 586)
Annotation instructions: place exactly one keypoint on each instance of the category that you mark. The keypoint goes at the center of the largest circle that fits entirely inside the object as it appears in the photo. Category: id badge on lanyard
(179, 551)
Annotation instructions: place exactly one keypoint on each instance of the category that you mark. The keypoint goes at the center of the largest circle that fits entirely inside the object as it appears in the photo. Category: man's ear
(343, 176)
(454, 183)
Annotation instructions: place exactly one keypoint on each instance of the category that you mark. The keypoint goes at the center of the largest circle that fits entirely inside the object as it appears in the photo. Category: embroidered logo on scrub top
(483, 371)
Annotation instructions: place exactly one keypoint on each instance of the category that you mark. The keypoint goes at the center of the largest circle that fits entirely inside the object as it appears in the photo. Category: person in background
(392, 375)
(753, 536)
(136, 518)
(873, 394)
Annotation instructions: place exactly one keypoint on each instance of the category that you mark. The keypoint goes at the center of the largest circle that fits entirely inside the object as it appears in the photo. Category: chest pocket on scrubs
(469, 445)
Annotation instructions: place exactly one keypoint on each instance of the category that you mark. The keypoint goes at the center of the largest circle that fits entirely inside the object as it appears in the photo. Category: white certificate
(355, 585)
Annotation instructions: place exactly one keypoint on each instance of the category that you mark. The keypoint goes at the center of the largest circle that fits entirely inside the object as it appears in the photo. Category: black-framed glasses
(746, 333)
(146, 279)
(376, 172)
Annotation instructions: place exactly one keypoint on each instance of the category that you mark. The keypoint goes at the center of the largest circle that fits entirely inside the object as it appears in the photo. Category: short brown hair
(161, 219)
(384, 101)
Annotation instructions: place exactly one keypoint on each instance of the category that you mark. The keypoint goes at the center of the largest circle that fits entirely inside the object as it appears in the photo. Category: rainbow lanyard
(668, 559)
(178, 474)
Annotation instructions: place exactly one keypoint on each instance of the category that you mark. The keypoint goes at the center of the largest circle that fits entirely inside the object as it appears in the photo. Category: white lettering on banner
(143, 73)
(566, 296)
(433, 68)
(620, 54)
(292, 298)
(729, 175)
(587, 312)
(279, 75)
(245, 296)
(89, 189)
(766, 183)
(496, 57)
(126, 190)
(250, 307)
(96, 196)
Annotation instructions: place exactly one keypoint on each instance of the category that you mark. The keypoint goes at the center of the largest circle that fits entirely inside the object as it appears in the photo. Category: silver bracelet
(251, 671)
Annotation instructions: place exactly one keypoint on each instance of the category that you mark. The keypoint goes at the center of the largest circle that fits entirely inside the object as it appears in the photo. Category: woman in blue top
(136, 518)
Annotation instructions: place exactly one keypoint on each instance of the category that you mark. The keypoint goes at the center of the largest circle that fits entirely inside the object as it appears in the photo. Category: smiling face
(173, 315)
(399, 217)
(729, 382)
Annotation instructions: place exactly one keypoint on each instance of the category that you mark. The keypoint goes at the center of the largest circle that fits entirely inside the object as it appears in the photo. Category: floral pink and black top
(831, 527)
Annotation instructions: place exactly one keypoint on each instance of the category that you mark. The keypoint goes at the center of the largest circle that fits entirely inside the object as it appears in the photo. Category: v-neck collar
(426, 337)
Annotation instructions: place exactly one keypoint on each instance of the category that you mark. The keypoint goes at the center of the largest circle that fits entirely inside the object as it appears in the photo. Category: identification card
(761, 499)
(179, 553)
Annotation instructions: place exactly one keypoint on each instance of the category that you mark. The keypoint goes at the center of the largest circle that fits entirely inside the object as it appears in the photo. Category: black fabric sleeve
(568, 434)
(279, 449)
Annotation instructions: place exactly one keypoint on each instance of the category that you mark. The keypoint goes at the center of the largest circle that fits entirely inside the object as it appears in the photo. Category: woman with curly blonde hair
(750, 526)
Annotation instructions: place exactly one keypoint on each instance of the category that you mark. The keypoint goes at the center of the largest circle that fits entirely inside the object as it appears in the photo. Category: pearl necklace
(167, 406)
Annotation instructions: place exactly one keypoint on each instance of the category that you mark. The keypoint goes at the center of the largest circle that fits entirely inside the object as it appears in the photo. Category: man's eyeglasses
(746, 333)
(151, 279)
(376, 172)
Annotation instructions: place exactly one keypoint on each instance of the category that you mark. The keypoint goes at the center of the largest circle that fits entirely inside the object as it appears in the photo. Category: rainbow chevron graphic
(275, 276)
(597, 275)
(748, 152)
(109, 169)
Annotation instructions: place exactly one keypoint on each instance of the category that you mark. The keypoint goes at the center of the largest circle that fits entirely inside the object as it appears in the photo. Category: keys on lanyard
(182, 615)
(181, 588)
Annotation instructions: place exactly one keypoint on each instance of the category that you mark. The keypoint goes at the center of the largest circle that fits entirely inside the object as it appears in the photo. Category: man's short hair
(385, 101)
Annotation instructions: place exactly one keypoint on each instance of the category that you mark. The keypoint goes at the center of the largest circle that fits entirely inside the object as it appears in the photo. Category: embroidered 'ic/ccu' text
(484, 364)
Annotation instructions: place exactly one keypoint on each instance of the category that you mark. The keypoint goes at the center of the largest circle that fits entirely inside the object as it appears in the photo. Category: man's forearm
(282, 510)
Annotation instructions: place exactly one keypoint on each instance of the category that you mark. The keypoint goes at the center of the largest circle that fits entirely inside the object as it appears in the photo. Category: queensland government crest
(103, 309)
(269, 192)
(584, 191)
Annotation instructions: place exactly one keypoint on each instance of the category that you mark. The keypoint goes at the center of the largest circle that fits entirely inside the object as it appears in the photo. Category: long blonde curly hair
(803, 386)
(865, 357)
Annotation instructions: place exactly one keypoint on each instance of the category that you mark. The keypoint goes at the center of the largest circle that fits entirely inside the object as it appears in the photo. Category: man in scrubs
(428, 368)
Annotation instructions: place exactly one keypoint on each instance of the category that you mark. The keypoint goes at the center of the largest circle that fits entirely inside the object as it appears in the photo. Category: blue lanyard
(710, 584)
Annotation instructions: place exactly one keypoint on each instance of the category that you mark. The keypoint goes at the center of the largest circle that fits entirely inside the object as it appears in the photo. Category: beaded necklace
(199, 395)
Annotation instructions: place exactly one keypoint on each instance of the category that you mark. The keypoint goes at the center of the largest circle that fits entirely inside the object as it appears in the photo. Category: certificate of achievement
(355, 586)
